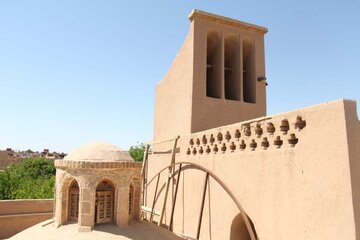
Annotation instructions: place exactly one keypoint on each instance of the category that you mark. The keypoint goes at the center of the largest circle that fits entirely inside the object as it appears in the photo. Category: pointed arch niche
(67, 201)
(238, 229)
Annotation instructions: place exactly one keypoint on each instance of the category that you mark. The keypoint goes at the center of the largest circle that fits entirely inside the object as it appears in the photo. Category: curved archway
(104, 202)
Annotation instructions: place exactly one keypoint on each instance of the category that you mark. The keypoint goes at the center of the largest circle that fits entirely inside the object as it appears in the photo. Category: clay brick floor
(136, 231)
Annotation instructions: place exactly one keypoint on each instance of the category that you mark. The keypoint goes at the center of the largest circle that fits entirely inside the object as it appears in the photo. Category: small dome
(99, 151)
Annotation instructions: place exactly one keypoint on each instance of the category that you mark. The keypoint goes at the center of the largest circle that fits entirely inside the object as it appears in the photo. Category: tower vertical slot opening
(248, 71)
(232, 68)
(213, 65)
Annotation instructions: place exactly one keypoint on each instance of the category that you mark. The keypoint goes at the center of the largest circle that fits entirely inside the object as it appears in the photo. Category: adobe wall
(174, 94)
(301, 190)
(17, 215)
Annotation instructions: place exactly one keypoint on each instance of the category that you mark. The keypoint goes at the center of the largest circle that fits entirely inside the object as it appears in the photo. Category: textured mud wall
(17, 215)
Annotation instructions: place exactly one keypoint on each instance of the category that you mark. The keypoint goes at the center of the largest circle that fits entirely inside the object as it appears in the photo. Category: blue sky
(73, 72)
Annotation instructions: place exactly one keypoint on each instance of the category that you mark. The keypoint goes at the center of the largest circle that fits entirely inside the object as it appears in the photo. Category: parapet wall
(295, 174)
(17, 215)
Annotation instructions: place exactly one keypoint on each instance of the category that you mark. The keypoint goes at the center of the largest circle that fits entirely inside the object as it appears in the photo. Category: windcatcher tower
(217, 77)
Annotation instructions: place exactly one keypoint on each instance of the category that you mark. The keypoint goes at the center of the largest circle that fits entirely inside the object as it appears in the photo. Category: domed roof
(99, 151)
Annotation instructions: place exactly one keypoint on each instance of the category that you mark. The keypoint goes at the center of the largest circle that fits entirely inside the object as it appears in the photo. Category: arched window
(104, 186)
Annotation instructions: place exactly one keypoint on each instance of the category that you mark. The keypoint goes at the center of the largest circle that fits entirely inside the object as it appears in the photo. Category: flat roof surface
(135, 231)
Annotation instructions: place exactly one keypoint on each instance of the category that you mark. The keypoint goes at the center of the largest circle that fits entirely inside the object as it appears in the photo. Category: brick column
(59, 207)
(122, 212)
(86, 209)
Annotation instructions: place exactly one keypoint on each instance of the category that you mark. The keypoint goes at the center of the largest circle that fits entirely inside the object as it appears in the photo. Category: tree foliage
(33, 178)
(137, 152)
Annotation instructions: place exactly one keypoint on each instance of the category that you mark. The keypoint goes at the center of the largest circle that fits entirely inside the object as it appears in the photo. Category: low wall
(17, 215)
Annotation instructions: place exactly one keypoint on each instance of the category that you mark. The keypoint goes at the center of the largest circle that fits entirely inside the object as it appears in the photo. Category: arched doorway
(104, 205)
(73, 206)
(238, 229)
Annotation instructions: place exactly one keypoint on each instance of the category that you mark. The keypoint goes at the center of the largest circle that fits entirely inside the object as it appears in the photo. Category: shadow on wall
(238, 229)
(353, 139)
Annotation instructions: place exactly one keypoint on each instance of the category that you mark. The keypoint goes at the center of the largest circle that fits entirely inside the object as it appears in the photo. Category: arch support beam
(202, 206)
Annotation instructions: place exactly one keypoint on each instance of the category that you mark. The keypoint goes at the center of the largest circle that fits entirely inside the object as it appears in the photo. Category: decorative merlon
(258, 134)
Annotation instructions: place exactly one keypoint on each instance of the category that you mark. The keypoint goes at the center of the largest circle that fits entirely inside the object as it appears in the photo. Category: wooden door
(73, 205)
(105, 206)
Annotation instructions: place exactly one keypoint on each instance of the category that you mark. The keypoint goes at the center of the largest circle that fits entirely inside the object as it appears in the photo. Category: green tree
(137, 152)
(33, 178)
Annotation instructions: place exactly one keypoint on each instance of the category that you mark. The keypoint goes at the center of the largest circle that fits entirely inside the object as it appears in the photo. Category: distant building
(9, 156)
